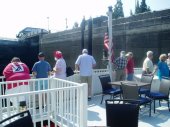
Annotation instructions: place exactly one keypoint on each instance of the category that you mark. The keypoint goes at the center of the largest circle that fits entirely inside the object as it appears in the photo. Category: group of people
(17, 70)
(162, 68)
(124, 66)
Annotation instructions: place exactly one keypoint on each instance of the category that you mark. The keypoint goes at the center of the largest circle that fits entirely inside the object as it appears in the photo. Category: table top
(118, 83)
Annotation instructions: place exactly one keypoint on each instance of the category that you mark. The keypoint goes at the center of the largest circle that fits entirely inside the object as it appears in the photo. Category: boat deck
(97, 114)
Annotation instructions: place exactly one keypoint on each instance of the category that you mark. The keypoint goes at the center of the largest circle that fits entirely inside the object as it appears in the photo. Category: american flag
(106, 45)
(106, 41)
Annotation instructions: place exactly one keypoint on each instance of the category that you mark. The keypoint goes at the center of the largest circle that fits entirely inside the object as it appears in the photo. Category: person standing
(85, 63)
(120, 66)
(168, 60)
(17, 70)
(148, 67)
(41, 69)
(130, 66)
(163, 70)
(60, 66)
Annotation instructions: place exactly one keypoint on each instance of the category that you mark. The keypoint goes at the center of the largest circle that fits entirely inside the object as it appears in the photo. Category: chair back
(147, 79)
(104, 79)
(130, 91)
(121, 114)
(22, 119)
(165, 86)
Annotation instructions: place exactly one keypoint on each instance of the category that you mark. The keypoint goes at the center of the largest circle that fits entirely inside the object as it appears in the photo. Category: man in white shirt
(148, 67)
(85, 63)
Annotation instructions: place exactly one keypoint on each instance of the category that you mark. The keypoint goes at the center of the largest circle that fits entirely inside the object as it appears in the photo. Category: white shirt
(85, 63)
(168, 62)
(61, 66)
(148, 64)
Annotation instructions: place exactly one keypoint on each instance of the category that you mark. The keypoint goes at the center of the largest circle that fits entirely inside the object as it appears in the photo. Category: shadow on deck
(97, 114)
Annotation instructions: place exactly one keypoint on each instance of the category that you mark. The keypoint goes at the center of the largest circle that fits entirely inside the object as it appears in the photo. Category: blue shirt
(41, 68)
(163, 69)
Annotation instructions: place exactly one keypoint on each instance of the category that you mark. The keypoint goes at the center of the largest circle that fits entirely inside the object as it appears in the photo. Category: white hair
(84, 51)
(122, 53)
(149, 53)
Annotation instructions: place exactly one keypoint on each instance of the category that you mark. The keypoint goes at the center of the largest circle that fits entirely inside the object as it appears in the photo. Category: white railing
(96, 86)
(64, 103)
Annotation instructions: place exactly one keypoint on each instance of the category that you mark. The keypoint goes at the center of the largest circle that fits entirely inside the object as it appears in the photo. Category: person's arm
(76, 67)
(155, 69)
(77, 64)
(7, 71)
(94, 62)
(57, 67)
(49, 70)
(34, 72)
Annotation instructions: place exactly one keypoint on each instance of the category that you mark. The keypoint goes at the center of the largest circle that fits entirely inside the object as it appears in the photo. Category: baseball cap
(41, 54)
(58, 54)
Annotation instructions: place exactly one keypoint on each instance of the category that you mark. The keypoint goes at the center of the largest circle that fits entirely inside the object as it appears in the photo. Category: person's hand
(76, 71)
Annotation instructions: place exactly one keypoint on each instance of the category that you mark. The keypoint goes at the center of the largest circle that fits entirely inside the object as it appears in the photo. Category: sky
(52, 14)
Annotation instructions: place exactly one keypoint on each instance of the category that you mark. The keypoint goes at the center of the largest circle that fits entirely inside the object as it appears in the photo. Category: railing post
(83, 105)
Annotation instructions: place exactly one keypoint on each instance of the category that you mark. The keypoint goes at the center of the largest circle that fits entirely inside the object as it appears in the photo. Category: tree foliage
(137, 9)
(118, 10)
(142, 8)
(131, 13)
(76, 25)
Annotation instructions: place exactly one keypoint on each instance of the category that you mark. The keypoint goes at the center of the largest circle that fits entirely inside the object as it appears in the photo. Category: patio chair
(163, 93)
(107, 89)
(146, 89)
(121, 114)
(22, 119)
(130, 92)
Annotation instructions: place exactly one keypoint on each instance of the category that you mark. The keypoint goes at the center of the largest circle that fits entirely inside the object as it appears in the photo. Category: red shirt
(16, 71)
(130, 66)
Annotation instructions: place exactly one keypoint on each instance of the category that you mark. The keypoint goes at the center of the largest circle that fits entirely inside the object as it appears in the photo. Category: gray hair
(122, 53)
(149, 53)
(84, 51)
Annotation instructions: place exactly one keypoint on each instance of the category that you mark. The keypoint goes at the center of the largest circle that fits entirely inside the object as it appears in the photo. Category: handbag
(69, 71)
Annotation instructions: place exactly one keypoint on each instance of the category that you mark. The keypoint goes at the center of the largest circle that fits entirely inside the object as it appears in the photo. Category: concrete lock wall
(138, 34)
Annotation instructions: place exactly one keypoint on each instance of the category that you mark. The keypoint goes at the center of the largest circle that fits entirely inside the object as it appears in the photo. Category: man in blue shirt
(41, 69)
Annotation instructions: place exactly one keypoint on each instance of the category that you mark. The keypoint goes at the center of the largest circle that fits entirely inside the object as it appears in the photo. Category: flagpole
(110, 40)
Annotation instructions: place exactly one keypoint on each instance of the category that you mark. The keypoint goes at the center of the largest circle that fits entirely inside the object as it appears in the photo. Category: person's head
(15, 59)
(149, 54)
(168, 55)
(162, 57)
(84, 51)
(122, 54)
(41, 56)
(129, 55)
(58, 55)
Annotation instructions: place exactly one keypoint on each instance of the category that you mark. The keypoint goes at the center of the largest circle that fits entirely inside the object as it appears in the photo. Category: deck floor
(97, 114)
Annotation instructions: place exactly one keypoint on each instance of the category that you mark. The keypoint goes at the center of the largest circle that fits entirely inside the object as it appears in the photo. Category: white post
(110, 40)
(83, 105)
